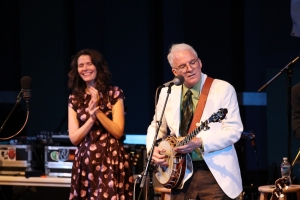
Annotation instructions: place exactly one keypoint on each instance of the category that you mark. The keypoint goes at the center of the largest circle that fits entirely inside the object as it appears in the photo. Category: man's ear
(174, 72)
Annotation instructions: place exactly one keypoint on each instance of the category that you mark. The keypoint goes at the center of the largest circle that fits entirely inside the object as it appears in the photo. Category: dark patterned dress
(101, 167)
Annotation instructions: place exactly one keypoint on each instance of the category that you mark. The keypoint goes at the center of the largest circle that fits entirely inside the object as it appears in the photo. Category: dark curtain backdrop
(237, 41)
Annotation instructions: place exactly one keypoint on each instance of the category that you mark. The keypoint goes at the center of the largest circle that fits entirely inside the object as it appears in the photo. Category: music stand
(297, 159)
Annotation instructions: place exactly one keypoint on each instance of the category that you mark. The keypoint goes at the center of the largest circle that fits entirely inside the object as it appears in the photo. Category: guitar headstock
(281, 184)
(218, 116)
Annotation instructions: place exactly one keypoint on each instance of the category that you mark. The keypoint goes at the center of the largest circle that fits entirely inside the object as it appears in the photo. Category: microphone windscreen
(26, 83)
(180, 80)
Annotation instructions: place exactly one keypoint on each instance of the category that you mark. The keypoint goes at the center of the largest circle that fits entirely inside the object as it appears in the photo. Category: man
(214, 171)
(295, 100)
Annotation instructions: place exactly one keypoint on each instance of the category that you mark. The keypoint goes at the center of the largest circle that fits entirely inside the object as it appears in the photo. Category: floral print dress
(101, 167)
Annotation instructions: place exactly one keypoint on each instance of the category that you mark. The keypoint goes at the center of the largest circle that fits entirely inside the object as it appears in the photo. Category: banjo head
(163, 174)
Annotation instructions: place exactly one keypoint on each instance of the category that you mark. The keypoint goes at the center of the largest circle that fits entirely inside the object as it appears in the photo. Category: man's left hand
(189, 147)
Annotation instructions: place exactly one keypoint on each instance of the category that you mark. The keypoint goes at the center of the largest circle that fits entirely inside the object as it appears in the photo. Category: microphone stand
(255, 155)
(150, 194)
(17, 103)
(147, 169)
(251, 136)
(256, 159)
(26, 120)
(289, 70)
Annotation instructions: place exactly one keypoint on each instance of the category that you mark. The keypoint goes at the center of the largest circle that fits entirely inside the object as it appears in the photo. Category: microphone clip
(26, 94)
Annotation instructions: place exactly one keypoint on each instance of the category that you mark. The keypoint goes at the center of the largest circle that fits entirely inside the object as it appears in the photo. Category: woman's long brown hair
(103, 77)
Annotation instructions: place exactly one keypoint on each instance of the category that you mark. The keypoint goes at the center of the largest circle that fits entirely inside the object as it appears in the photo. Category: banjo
(171, 176)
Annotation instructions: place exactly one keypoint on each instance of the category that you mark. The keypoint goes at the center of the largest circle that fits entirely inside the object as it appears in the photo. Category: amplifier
(15, 159)
(137, 156)
(62, 139)
(59, 160)
(54, 138)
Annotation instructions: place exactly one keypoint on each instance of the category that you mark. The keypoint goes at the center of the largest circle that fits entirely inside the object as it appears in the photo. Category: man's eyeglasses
(183, 67)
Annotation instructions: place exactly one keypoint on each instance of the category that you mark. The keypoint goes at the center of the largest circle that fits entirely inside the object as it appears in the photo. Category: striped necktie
(186, 113)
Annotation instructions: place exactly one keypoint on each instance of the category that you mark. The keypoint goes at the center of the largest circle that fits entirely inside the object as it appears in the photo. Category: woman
(101, 168)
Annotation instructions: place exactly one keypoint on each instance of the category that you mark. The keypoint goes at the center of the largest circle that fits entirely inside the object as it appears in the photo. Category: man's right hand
(158, 156)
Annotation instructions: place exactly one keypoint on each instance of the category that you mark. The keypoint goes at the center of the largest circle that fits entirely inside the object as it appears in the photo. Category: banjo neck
(215, 117)
(190, 136)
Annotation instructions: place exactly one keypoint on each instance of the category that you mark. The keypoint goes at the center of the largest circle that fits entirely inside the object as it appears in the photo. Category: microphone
(178, 80)
(26, 87)
(253, 142)
(248, 135)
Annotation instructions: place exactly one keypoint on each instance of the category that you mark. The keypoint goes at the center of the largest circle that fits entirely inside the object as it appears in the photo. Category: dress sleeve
(72, 102)
(115, 93)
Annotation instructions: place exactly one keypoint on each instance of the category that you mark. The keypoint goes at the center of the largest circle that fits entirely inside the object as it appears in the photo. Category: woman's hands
(92, 109)
(93, 104)
(94, 93)
(114, 126)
